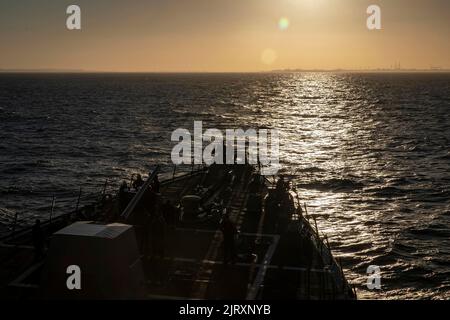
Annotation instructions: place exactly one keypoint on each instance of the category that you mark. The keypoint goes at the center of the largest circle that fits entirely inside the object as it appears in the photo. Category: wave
(431, 231)
(309, 97)
(24, 166)
(400, 181)
(335, 185)
(385, 191)
(4, 212)
(446, 156)
(311, 169)
(16, 191)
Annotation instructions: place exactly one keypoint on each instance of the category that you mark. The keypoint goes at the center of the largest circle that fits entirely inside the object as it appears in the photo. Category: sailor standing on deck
(38, 240)
(158, 231)
(168, 211)
(155, 184)
(281, 186)
(229, 232)
(137, 184)
(123, 196)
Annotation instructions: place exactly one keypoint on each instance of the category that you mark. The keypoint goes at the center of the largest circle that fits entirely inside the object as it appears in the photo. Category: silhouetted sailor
(281, 185)
(156, 184)
(169, 213)
(150, 206)
(138, 182)
(158, 234)
(123, 196)
(38, 240)
(255, 184)
(227, 193)
(229, 232)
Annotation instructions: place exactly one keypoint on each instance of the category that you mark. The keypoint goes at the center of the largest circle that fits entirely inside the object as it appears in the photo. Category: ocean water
(370, 153)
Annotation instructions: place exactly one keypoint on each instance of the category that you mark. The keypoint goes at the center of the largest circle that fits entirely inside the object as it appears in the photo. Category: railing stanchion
(51, 211)
(14, 226)
(78, 201)
(104, 187)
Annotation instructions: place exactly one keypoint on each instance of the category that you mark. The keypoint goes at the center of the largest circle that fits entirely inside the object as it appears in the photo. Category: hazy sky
(225, 35)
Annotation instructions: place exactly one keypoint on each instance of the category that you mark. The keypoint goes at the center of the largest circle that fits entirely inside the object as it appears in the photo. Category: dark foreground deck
(290, 264)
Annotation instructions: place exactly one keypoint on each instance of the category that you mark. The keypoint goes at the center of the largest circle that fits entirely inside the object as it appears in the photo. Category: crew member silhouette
(38, 240)
(229, 232)
(138, 182)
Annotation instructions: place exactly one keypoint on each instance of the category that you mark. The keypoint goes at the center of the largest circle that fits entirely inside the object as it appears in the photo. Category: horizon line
(294, 70)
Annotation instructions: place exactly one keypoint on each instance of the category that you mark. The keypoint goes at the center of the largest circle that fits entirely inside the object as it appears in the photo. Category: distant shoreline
(363, 70)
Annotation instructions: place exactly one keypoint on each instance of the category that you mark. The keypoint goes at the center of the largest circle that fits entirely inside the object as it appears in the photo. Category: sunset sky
(223, 36)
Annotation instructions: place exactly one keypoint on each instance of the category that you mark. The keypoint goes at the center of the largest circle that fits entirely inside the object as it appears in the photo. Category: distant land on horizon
(364, 70)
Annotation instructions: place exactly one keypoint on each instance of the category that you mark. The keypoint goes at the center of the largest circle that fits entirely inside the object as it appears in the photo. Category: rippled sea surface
(370, 153)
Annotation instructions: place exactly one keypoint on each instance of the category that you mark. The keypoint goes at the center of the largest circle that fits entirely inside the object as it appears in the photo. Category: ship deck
(270, 265)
